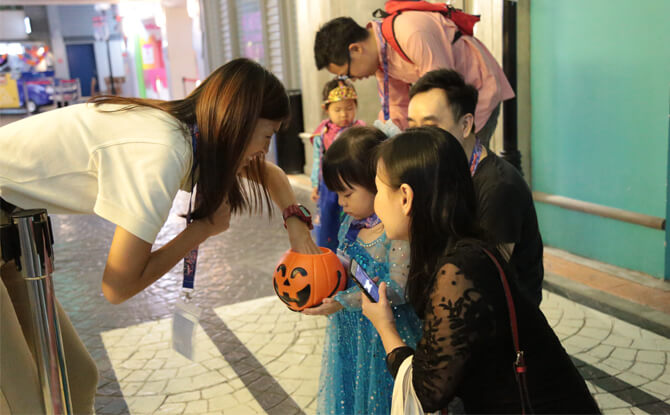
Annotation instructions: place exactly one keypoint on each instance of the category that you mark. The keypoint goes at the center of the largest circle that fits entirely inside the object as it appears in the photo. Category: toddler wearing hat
(340, 103)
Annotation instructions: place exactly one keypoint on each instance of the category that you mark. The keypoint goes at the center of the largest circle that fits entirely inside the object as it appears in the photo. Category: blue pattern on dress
(354, 378)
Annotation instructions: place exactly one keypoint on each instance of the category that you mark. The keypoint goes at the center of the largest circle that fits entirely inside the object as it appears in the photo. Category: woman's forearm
(278, 186)
(390, 337)
(164, 259)
(281, 193)
(131, 266)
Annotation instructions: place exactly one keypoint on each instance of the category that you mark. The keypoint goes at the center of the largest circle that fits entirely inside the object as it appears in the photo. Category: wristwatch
(300, 212)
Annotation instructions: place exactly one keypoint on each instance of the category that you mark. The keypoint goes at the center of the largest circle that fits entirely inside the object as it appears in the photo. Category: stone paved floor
(254, 356)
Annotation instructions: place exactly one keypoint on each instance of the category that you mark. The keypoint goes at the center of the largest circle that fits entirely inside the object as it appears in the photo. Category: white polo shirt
(123, 166)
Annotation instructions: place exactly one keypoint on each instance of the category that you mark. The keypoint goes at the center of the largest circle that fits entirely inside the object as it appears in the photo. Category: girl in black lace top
(425, 195)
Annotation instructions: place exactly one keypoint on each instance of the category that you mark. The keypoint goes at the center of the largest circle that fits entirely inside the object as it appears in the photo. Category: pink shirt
(328, 131)
(426, 39)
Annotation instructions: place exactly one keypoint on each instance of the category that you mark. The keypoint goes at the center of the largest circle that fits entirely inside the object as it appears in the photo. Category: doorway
(81, 61)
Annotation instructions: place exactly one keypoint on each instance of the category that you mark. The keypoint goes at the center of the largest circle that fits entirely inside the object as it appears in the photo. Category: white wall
(181, 56)
(61, 70)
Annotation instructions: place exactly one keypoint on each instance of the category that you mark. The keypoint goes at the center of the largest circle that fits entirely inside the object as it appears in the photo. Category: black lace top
(467, 349)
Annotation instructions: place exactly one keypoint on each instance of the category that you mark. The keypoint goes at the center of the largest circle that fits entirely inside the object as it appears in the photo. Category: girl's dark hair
(432, 162)
(332, 84)
(226, 107)
(350, 159)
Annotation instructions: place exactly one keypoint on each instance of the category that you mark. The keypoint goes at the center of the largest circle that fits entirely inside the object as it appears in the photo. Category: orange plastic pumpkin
(302, 280)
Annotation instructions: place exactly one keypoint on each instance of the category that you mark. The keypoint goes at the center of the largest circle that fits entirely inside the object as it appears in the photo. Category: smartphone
(368, 286)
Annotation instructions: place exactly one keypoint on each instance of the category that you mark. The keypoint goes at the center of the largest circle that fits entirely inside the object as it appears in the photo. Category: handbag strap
(520, 362)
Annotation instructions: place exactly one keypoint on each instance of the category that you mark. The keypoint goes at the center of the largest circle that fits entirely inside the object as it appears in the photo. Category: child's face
(356, 201)
(342, 113)
(391, 206)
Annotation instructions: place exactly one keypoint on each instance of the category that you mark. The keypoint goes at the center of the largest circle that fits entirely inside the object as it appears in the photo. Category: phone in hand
(368, 287)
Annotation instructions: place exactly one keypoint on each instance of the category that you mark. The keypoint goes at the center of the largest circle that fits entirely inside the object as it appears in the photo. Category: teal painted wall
(600, 82)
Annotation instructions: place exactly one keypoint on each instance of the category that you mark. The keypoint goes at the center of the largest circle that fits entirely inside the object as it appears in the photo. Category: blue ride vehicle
(39, 87)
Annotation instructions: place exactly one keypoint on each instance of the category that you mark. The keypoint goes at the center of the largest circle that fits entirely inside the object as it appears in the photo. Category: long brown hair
(432, 162)
(226, 107)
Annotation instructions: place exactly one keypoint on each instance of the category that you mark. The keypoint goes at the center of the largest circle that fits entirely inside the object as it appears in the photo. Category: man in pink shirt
(430, 41)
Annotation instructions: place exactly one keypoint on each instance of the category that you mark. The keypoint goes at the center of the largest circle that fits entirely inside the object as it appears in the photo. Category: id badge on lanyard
(187, 314)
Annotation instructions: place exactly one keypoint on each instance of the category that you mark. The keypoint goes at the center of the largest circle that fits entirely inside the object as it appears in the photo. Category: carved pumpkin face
(302, 281)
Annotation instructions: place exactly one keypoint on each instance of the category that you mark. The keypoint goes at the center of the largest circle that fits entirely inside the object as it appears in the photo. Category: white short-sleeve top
(123, 166)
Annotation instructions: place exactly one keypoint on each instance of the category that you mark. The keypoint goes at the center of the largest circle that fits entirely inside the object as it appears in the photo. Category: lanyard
(476, 157)
(385, 68)
(191, 259)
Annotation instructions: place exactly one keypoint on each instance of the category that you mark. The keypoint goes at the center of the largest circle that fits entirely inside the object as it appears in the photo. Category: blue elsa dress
(354, 378)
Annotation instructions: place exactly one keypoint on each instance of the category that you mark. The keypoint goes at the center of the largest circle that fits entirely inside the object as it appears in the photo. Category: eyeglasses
(348, 75)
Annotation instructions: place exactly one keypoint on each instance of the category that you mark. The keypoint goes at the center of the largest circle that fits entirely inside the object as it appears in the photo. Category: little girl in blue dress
(354, 378)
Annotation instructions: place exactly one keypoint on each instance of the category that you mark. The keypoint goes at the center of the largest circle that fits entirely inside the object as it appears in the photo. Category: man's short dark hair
(331, 44)
(462, 97)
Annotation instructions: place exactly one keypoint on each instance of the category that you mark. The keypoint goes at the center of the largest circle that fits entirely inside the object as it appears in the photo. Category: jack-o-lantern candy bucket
(304, 280)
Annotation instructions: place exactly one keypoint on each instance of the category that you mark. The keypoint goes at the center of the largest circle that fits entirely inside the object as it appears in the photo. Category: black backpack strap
(380, 14)
(457, 36)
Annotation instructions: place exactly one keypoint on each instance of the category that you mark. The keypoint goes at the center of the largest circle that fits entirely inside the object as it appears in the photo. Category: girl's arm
(281, 193)
(132, 266)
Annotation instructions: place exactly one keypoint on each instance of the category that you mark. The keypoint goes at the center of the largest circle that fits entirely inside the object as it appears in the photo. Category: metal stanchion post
(34, 261)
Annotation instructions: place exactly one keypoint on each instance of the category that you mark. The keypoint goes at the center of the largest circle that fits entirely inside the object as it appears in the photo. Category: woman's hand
(329, 306)
(315, 194)
(380, 313)
(300, 237)
(381, 316)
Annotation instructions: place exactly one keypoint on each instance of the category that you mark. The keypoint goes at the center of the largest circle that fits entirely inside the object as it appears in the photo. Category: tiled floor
(155, 379)
(627, 368)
